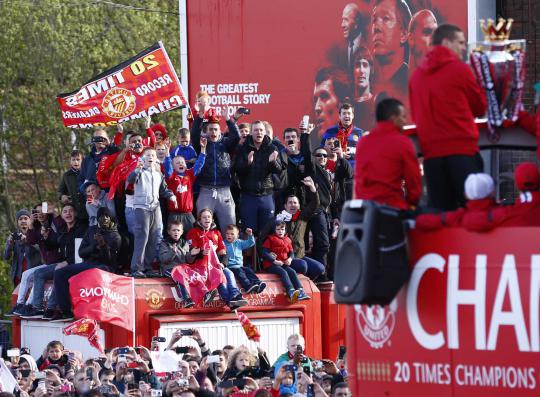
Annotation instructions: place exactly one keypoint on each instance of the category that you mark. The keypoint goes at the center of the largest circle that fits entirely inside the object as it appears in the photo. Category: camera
(123, 350)
(137, 145)
(182, 382)
(243, 110)
(337, 144)
(181, 350)
(160, 339)
(16, 236)
(98, 139)
(290, 142)
(186, 332)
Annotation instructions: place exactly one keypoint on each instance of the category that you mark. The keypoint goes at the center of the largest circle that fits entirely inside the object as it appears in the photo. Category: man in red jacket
(386, 169)
(445, 98)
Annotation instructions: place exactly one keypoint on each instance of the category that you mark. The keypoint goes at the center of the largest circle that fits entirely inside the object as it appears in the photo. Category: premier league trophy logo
(499, 66)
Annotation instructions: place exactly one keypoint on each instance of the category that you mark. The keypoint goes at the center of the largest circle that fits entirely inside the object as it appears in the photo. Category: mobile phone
(89, 373)
(318, 364)
(13, 353)
(123, 350)
(213, 359)
(121, 358)
(159, 339)
(132, 386)
(243, 110)
(105, 389)
(337, 143)
(40, 375)
(299, 349)
(44, 207)
(71, 355)
(41, 383)
(307, 370)
(305, 120)
(342, 351)
(156, 392)
(25, 373)
(290, 142)
(186, 332)
(181, 350)
(133, 364)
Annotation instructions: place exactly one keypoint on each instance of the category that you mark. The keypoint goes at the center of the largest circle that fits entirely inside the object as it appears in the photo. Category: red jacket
(182, 187)
(282, 247)
(384, 159)
(445, 98)
(198, 238)
(525, 212)
(475, 217)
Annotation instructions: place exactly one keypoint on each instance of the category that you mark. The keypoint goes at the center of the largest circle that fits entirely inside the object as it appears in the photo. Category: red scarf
(343, 135)
(295, 215)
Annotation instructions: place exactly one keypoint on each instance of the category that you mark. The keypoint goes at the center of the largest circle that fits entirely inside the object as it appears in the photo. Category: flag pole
(133, 310)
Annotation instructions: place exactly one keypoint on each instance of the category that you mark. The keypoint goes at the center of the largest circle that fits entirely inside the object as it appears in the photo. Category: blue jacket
(216, 171)
(351, 141)
(187, 152)
(234, 250)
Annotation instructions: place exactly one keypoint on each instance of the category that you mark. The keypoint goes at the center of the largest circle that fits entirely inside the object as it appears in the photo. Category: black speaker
(371, 262)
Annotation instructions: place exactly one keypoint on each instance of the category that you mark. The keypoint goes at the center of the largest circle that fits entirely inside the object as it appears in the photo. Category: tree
(52, 46)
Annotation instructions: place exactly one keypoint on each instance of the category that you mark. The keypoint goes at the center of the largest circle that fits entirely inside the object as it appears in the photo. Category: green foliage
(49, 47)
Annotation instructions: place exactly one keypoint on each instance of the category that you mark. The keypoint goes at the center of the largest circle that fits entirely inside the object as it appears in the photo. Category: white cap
(479, 186)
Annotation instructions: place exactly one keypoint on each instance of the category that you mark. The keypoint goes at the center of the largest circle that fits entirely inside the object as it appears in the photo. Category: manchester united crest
(155, 298)
(118, 103)
(376, 323)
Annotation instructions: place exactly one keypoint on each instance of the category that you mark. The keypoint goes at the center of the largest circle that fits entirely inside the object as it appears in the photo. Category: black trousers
(445, 179)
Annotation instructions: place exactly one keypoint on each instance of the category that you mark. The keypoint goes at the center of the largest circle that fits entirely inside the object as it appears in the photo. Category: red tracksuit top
(384, 159)
(445, 98)
(182, 187)
(282, 247)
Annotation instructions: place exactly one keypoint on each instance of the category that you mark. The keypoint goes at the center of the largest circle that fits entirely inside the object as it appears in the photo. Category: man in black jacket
(99, 249)
(255, 163)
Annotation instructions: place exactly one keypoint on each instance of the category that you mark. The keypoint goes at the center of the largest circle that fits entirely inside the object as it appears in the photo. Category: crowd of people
(228, 204)
(201, 371)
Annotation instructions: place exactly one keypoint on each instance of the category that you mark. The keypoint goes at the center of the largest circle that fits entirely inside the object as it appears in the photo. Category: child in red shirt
(278, 257)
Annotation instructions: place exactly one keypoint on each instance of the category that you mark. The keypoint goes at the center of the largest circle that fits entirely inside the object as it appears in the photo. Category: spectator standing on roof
(445, 98)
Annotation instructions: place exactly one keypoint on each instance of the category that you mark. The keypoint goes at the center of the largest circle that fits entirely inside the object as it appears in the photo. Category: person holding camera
(34, 238)
(101, 147)
(294, 355)
(96, 198)
(243, 364)
(23, 256)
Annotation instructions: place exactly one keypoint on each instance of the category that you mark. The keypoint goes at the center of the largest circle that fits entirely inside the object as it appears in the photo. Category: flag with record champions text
(143, 85)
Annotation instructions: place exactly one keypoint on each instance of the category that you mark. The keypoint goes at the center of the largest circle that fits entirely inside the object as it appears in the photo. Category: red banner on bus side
(141, 86)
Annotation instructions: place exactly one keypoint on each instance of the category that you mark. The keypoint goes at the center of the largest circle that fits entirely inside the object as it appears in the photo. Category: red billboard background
(272, 51)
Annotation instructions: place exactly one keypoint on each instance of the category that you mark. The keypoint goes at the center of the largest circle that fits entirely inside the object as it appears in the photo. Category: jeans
(229, 291)
(288, 275)
(130, 218)
(246, 276)
(220, 201)
(61, 282)
(318, 225)
(314, 268)
(256, 211)
(147, 228)
(26, 278)
(40, 277)
(179, 287)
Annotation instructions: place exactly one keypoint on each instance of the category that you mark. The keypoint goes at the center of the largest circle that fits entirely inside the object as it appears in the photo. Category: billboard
(284, 59)
(467, 323)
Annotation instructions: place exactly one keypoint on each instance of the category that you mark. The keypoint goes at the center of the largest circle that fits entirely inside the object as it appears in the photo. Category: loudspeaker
(371, 262)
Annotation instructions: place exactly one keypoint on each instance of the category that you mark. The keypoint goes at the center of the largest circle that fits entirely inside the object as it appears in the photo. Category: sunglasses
(321, 155)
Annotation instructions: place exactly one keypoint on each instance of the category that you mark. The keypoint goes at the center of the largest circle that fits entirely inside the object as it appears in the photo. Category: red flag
(249, 328)
(203, 275)
(104, 297)
(86, 328)
(141, 86)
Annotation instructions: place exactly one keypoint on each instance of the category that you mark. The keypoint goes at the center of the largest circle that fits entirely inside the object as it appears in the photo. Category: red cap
(527, 177)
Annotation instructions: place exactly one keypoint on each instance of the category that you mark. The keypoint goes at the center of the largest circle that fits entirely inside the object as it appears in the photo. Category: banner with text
(103, 296)
(141, 86)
